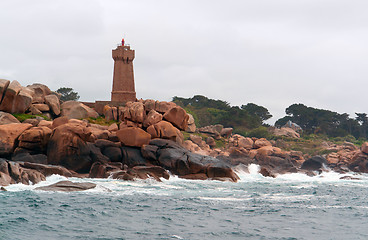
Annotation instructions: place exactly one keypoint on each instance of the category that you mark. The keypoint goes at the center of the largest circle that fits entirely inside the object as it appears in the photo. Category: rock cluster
(159, 119)
(72, 147)
(146, 141)
(36, 99)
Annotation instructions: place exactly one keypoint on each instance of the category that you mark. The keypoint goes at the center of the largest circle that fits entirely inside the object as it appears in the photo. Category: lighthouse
(123, 89)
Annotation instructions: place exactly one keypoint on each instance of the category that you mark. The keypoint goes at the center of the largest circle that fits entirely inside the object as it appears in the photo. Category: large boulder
(136, 112)
(359, 163)
(214, 130)
(9, 133)
(110, 149)
(142, 172)
(149, 105)
(262, 142)
(104, 170)
(3, 86)
(67, 186)
(364, 148)
(152, 117)
(22, 100)
(178, 117)
(133, 136)
(39, 92)
(98, 133)
(180, 161)
(67, 147)
(77, 110)
(41, 107)
(163, 107)
(9, 96)
(59, 121)
(244, 142)
(110, 113)
(133, 157)
(35, 138)
(47, 170)
(7, 118)
(33, 110)
(226, 132)
(191, 124)
(165, 130)
(53, 102)
(314, 163)
(286, 131)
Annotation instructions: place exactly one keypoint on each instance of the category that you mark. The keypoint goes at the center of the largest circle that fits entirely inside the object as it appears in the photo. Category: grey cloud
(273, 53)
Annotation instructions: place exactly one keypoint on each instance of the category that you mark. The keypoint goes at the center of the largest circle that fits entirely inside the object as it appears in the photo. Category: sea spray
(290, 206)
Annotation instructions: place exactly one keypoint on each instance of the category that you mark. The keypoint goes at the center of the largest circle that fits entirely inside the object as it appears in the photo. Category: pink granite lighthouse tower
(123, 88)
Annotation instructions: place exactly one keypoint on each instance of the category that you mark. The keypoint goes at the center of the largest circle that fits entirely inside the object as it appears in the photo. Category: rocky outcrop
(48, 170)
(77, 110)
(178, 117)
(191, 128)
(180, 161)
(54, 104)
(24, 172)
(262, 142)
(9, 133)
(163, 107)
(135, 112)
(39, 92)
(3, 86)
(133, 136)
(22, 100)
(165, 130)
(9, 96)
(67, 186)
(68, 147)
(35, 139)
(286, 132)
(7, 118)
(153, 117)
(213, 130)
(314, 163)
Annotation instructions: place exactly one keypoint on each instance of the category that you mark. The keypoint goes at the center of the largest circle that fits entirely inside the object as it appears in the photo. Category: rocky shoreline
(145, 141)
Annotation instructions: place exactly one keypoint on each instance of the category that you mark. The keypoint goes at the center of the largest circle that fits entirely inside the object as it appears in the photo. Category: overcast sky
(270, 52)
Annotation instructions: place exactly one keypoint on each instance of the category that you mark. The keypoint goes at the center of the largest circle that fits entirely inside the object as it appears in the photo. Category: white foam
(251, 174)
(23, 187)
(247, 174)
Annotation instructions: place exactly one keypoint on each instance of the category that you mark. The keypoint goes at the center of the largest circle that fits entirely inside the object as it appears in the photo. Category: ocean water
(292, 206)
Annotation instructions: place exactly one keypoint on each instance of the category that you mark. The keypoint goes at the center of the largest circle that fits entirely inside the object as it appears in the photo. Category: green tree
(210, 111)
(320, 121)
(67, 94)
(254, 109)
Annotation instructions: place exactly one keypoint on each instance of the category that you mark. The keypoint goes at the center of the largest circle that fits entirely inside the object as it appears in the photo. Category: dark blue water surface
(288, 207)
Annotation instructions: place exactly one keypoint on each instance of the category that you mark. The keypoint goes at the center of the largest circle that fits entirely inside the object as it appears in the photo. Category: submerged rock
(67, 186)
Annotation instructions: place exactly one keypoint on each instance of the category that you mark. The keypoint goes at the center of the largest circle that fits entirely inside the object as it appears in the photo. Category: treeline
(249, 119)
(209, 111)
(320, 121)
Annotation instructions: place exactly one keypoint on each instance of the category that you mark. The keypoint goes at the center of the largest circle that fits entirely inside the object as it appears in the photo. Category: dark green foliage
(67, 94)
(320, 121)
(259, 111)
(209, 111)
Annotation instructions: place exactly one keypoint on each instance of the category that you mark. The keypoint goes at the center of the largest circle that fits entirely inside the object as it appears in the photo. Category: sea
(291, 206)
